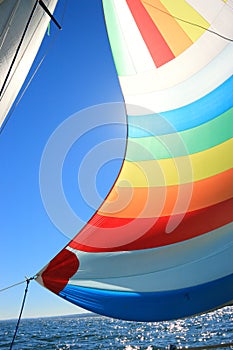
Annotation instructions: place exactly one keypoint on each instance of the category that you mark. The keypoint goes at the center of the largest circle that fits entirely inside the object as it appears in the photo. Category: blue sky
(77, 73)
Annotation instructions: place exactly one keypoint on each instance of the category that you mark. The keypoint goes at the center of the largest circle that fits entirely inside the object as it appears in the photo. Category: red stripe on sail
(105, 234)
(157, 46)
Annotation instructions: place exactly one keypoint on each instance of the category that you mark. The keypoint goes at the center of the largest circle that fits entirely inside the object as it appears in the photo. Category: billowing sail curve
(161, 245)
(16, 58)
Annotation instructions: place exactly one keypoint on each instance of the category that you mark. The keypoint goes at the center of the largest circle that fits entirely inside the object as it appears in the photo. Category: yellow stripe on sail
(173, 171)
(181, 9)
(175, 36)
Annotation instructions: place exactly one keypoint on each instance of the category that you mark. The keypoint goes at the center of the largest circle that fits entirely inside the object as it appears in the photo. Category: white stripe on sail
(150, 90)
(208, 9)
(159, 269)
(138, 51)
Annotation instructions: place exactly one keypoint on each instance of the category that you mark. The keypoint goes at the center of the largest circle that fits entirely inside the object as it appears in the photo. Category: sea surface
(96, 332)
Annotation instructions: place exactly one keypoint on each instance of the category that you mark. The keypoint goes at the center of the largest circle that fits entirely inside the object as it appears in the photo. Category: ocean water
(96, 332)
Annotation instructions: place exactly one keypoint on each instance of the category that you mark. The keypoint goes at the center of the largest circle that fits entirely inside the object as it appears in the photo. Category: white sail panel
(14, 17)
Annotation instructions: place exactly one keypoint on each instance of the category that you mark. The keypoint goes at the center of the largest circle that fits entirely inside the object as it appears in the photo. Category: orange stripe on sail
(142, 202)
(157, 46)
(175, 37)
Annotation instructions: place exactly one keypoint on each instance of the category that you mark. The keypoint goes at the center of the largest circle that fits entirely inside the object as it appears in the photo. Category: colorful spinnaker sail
(22, 26)
(161, 245)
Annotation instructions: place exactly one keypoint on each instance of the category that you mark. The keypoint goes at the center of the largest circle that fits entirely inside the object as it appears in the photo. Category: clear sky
(77, 73)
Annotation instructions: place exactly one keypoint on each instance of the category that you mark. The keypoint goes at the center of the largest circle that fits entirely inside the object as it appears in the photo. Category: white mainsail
(22, 27)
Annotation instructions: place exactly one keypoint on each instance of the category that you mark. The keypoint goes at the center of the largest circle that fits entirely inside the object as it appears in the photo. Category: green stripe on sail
(186, 142)
(118, 45)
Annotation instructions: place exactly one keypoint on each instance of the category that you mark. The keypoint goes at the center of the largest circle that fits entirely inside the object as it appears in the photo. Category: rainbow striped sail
(160, 247)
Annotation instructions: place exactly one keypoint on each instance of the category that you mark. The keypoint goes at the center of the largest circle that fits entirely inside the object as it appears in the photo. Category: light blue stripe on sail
(189, 116)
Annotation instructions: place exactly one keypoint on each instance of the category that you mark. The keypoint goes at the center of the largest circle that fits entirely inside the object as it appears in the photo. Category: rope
(13, 285)
(28, 280)
(191, 23)
(45, 8)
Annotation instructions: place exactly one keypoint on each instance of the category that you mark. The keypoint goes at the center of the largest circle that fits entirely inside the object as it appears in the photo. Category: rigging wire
(45, 8)
(191, 23)
(11, 286)
(28, 280)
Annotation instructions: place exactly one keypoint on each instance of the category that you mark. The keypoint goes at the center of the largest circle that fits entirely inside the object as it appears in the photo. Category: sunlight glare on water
(91, 332)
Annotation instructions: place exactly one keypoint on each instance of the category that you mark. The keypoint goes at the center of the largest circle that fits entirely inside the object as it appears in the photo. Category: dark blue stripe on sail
(154, 306)
(186, 117)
